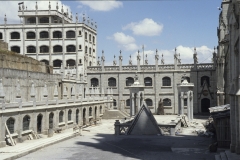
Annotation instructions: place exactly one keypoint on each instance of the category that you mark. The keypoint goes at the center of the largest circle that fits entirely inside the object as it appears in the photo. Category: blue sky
(162, 25)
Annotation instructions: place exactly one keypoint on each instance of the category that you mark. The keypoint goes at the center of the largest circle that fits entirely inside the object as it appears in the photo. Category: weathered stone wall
(3, 44)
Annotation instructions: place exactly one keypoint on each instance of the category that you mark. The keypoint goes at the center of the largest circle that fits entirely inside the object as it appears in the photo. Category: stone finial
(138, 56)
(120, 56)
(67, 12)
(114, 61)
(103, 57)
(36, 6)
(83, 16)
(57, 6)
(146, 60)
(49, 6)
(162, 60)
(130, 60)
(71, 16)
(62, 9)
(23, 7)
(96, 25)
(91, 22)
(5, 19)
(76, 17)
(88, 20)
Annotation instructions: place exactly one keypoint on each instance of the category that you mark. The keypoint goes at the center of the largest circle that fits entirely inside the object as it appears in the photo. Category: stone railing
(166, 67)
(129, 68)
(94, 68)
(205, 66)
(121, 128)
(186, 66)
(111, 68)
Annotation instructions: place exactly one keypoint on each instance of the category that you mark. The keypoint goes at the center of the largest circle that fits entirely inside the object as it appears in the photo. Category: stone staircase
(115, 114)
(227, 155)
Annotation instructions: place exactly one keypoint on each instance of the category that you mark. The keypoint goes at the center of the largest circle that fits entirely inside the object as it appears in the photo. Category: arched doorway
(95, 113)
(84, 116)
(51, 115)
(77, 117)
(205, 104)
(39, 123)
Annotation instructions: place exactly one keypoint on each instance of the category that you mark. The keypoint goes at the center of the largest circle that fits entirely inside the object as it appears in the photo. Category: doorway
(39, 123)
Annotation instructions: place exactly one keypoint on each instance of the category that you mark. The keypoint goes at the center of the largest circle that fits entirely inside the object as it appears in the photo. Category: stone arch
(94, 82)
(206, 79)
(61, 117)
(69, 115)
(26, 122)
(84, 116)
(70, 34)
(31, 20)
(43, 20)
(166, 81)
(31, 35)
(90, 111)
(15, 35)
(112, 82)
(39, 123)
(50, 120)
(77, 116)
(11, 125)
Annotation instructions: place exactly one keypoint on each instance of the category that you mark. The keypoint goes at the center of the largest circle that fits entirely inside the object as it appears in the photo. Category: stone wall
(3, 45)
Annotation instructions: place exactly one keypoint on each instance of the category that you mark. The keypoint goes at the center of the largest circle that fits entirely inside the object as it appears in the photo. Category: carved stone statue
(160, 109)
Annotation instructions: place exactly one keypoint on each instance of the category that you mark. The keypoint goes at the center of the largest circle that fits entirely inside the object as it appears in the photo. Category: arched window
(80, 33)
(31, 49)
(93, 39)
(86, 49)
(90, 38)
(166, 81)
(128, 102)
(44, 34)
(112, 82)
(57, 63)
(80, 61)
(44, 20)
(57, 34)
(148, 81)
(149, 102)
(205, 104)
(51, 120)
(86, 35)
(10, 124)
(1, 37)
(15, 49)
(94, 82)
(187, 78)
(90, 50)
(61, 113)
(70, 34)
(129, 81)
(77, 116)
(167, 102)
(31, 35)
(57, 48)
(93, 50)
(15, 35)
(114, 102)
(31, 20)
(71, 48)
(90, 111)
(69, 115)
(80, 47)
(205, 79)
(26, 122)
(71, 62)
(185, 101)
(44, 49)
(45, 61)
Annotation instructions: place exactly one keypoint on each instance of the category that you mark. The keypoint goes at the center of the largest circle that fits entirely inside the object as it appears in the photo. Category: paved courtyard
(99, 142)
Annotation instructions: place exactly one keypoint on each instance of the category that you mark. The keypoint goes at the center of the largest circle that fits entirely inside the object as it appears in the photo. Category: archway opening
(39, 123)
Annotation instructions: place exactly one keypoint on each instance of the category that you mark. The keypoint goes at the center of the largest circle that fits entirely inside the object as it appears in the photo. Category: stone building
(227, 60)
(160, 81)
(52, 37)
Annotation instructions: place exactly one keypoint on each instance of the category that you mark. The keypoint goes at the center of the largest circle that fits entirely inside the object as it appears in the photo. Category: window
(80, 61)
(80, 47)
(93, 39)
(31, 49)
(31, 20)
(148, 81)
(71, 48)
(61, 116)
(93, 50)
(44, 49)
(51, 120)
(90, 63)
(90, 37)
(80, 33)
(167, 102)
(31, 35)
(44, 20)
(112, 82)
(15, 35)
(57, 48)
(129, 81)
(70, 115)
(10, 124)
(149, 102)
(15, 49)
(128, 102)
(70, 34)
(85, 35)
(166, 81)
(205, 79)
(1, 37)
(90, 50)
(71, 62)
(57, 34)
(44, 34)
(26, 122)
(45, 61)
(185, 102)
(94, 82)
(57, 63)
(187, 78)
(90, 111)
(86, 49)
(114, 102)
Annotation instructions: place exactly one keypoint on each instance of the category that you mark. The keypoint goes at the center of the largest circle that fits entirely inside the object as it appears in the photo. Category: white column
(188, 106)
(182, 103)
(138, 102)
(132, 105)
(191, 105)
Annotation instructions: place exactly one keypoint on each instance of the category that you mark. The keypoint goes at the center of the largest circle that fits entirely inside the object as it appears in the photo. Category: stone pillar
(117, 127)
(45, 94)
(19, 129)
(182, 103)
(191, 105)
(73, 94)
(55, 94)
(2, 132)
(2, 95)
(188, 106)
(138, 102)
(132, 106)
(33, 95)
(233, 121)
(237, 123)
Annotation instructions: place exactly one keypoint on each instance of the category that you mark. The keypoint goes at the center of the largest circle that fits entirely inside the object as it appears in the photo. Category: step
(217, 157)
(232, 156)
(223, 156)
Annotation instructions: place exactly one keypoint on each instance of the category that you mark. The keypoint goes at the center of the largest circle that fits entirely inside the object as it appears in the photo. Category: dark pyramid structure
(144, 123)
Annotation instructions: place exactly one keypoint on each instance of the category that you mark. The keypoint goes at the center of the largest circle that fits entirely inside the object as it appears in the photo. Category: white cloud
(125, 41)
(105, 5)
(146, 27)
(204, 55)
(10, 8)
